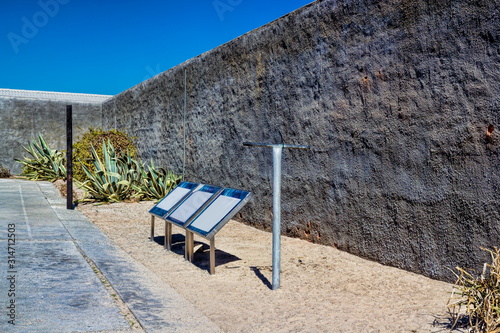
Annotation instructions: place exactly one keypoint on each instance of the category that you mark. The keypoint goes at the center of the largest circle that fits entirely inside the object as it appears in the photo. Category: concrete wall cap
(54, 96)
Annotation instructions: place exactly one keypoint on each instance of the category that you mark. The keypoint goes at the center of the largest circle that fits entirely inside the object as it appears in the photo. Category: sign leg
(152, 236)
(212, 256)
(168, 236)
(188, 246)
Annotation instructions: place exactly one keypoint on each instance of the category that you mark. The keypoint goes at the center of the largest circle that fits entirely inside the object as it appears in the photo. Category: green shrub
(95, 137)
(479, 296)
(44, 163)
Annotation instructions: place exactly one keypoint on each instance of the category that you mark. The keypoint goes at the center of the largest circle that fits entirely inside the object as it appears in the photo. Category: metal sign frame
(210, 205)
(240, 197)
(189, 207)
(159, 211)
(169, 220)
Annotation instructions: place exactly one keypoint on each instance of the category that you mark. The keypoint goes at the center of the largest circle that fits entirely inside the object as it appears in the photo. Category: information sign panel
(193, 203)
(218, 212)
(172, 198)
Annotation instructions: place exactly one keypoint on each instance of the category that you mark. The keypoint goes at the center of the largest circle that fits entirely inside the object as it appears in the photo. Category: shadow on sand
(202, 255)
(262, 277)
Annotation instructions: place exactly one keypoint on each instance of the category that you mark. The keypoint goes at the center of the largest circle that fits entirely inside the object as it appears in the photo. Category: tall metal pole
(277, 150)
(184, 127)
(69, 157)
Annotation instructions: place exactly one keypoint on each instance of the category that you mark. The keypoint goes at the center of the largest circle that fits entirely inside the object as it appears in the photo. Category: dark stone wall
(21, 120)
(395, 98)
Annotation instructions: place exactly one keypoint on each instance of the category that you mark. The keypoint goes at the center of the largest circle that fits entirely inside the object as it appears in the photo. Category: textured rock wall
(21, 120)
(395, 98)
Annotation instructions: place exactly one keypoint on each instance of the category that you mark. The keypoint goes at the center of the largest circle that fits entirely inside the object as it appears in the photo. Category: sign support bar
(167, 244)
(277, 150)
(212, 256)
(152, 233)
(277, 153)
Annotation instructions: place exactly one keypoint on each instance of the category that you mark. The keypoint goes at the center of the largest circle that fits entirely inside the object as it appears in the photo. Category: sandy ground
(322, 289)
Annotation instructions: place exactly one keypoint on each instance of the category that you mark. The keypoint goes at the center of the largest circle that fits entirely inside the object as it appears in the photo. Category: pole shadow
(258, 273)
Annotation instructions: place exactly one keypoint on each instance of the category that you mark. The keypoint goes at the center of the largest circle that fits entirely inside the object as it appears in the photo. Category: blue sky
(108, 46)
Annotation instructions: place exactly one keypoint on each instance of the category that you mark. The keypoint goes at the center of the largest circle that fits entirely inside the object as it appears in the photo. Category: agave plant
(44, 163)
(112, 178)
(154, 183)
(115, 179)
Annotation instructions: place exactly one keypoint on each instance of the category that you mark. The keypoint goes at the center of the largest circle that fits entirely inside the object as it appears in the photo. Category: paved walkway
(60, 273)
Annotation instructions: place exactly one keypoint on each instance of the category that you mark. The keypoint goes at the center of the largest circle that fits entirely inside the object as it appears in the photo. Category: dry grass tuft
(478, 296)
